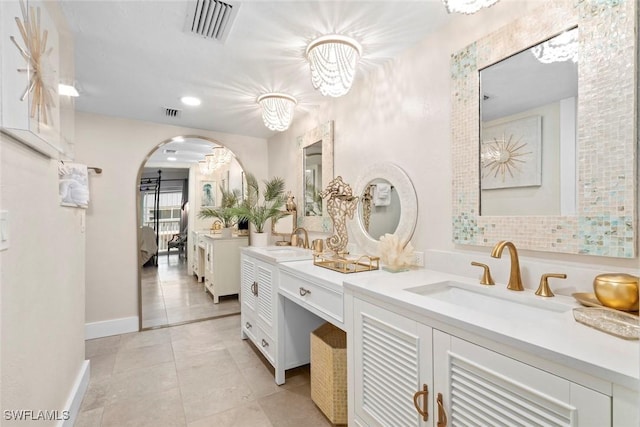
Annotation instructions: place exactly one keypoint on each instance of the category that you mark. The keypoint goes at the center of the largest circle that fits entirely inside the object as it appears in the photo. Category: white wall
(42, 272)
(120, 147)
(402, 114)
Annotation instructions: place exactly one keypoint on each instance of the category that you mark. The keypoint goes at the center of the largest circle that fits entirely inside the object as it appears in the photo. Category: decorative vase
(226, 232)
(259, 239)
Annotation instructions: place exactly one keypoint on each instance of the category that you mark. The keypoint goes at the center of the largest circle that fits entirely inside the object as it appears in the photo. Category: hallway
(197, 375)
(170, 296)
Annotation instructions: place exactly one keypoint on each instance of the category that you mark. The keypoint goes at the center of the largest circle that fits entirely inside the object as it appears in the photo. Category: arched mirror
(388, 204)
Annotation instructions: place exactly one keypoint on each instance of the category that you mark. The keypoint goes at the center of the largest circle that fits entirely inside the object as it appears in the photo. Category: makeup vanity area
(428, 347)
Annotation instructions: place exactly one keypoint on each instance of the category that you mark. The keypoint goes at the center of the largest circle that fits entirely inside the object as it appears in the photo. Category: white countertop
(330, 278)
(279, 254)
(558, 338)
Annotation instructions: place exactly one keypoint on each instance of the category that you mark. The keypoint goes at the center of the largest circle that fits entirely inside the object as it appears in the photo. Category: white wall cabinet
(221, 262)
(401, 366)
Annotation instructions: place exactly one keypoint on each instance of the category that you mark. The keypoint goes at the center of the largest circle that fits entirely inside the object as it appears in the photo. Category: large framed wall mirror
(315, 171)
(544, 117)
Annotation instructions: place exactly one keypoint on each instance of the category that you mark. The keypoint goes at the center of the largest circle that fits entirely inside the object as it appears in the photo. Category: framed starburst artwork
(29, 48)
(510, 154)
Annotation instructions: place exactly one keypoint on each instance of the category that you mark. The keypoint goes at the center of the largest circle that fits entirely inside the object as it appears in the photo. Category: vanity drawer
(325, 302)
(249, 327)
(267, 346)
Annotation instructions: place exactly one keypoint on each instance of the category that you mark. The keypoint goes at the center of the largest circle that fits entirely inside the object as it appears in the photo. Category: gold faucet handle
(544, 290)
(486, 274)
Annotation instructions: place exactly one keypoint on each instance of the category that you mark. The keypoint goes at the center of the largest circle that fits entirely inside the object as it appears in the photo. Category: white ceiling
(133, 58)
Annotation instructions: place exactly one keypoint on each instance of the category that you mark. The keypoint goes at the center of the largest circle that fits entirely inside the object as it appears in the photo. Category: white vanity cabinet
(199, 254)
(482, 387)
(278, 327)
(401, 365)
(258, 304)
(391, 361)
(221, 262)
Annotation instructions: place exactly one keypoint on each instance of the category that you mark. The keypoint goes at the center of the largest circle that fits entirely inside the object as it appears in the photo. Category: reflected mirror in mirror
(379, 208)
(313, 179)
(528, 130)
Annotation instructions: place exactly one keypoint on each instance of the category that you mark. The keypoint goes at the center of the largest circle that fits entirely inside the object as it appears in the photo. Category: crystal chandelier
(467, 6)
(204, 167)
(333, 61)
(563, 47)
(214, 161)
(277, 110)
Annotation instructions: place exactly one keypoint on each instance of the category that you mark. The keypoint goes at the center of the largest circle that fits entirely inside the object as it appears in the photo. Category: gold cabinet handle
(304, 291)
(425, 396)
(442, 415)
(544, 290)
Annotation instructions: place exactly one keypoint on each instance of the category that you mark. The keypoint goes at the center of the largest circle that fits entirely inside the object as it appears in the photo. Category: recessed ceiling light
(178, 139)
(190, 100)
(67, 90)
(171, 159)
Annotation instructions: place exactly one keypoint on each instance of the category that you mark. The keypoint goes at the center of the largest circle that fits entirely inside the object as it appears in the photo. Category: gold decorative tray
(345, 264)
(613, 322)
(589, 300)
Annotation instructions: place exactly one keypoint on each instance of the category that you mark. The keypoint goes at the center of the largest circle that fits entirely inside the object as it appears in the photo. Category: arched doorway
(170, 195)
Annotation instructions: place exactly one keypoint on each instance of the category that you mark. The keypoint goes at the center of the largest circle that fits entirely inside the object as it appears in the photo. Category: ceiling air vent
(211, 18)
(172, 112)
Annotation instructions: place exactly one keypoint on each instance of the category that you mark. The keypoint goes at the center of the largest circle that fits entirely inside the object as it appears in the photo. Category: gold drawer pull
(304, 291)
(425, 396)
(442, 415)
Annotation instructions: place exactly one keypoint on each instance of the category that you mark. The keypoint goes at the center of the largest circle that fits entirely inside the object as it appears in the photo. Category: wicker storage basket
(329, 372)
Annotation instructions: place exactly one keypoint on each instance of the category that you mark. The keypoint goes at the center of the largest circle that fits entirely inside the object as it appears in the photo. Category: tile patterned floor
(170, 295)
(196, 375)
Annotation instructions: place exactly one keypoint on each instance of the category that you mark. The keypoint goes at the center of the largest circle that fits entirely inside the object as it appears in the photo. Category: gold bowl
(617, 290)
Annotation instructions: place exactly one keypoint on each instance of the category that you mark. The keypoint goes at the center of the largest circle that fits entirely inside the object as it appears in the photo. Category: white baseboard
(107, 328)
(77, 394)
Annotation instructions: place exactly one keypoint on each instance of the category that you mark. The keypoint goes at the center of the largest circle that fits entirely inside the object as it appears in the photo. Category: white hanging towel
(382, 195)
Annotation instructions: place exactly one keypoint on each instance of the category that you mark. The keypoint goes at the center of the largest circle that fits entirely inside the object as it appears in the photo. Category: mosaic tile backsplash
(604, 224)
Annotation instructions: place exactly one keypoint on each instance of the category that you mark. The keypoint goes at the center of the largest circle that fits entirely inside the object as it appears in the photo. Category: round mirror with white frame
(388, 204)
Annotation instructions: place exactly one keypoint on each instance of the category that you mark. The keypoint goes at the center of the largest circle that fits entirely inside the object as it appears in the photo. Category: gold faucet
(305, 244)
(515, 279)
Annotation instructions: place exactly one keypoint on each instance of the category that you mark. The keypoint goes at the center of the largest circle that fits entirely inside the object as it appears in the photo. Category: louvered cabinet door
(483, 388)
(249, 295)
(265, 277)
(392, 363)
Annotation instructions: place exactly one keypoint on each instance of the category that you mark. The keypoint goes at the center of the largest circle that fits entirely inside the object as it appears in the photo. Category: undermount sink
(285, 253)
(493, 300)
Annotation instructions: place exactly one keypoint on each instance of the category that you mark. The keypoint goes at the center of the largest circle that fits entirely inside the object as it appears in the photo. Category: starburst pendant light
(467, 6)
(277, 110)
(563, 47)
(333, 60)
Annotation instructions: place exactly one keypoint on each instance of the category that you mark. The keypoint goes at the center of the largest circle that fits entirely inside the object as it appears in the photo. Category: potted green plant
(226, 212)
(259, 207)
